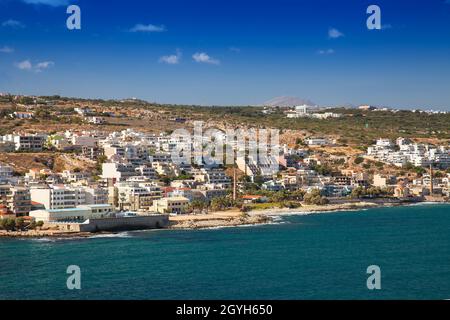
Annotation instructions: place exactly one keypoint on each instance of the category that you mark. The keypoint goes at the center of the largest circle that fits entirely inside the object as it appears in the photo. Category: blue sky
(230, 52)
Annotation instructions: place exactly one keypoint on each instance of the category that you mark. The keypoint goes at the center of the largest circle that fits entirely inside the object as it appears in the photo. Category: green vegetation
(19, 224)
(371, 192)
(8, 224)
(222, 203)
(314, 198)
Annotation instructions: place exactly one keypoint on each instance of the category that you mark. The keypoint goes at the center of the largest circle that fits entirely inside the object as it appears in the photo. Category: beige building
(136, 196)
(401, 191)
(383, 181)
(171, 205)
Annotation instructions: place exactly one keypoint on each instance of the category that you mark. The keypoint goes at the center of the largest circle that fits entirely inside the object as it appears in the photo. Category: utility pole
(234, 182)
(431, 180)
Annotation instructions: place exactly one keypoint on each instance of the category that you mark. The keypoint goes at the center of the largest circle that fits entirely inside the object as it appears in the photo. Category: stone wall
(118, 224)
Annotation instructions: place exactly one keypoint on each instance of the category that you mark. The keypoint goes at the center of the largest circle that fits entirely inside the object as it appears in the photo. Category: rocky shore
(307, 209)
(43, 234)
(218, 220)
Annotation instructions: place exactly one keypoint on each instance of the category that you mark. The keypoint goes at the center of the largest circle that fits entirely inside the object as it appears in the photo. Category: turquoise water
(320, 256)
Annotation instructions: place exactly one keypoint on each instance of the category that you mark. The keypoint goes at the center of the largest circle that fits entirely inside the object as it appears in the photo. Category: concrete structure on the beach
(95, 218)
(151, 221)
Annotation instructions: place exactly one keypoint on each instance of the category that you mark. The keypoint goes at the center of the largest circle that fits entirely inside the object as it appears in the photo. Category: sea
(314, 256)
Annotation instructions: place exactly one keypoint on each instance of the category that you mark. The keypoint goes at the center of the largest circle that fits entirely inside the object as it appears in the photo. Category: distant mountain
(285, 101)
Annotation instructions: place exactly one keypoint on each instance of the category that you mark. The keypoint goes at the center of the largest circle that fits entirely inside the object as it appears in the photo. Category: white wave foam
(111, 235)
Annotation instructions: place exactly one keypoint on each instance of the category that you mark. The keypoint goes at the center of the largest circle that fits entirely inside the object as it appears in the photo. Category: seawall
(156, 221)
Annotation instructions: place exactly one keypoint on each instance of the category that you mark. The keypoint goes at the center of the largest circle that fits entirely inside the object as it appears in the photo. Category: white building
(419, 155)
(58, 196)
(211, 176)
(95, 195)
(118, 171)
(79, 213)
(84, 141)
(299, 112)
(96, 120)
(6, 173)
(317, 141)
(27, 142)
(22, 115)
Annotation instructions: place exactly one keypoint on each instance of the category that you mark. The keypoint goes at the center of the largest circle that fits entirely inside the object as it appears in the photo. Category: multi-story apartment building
(73, 176)
(146, 171)
(211, 176)
(18, 201)
(27, 142)
(95, 195)
(137, 196)
(91, 152)
(6, 173)
(58, 196)
(118, 171)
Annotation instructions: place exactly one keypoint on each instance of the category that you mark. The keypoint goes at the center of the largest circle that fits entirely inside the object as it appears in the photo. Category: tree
(291, 204)
(279, 196)
(315, 198)
(221, 203)
(9, 224)
(43, 113)
(419, 170)
(322, 169)
(297, 195)
(32, 225)
(19, 223)
(357, 193)
(198, 205)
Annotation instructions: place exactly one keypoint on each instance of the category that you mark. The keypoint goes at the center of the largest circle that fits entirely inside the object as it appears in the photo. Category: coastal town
(77, 167)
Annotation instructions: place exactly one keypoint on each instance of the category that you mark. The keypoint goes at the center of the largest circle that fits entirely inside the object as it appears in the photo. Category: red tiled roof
(250, 197)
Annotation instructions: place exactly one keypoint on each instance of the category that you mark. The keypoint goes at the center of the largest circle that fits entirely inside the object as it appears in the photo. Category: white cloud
(24, 65)
(327, 51)
(38, 67)
(235, 49)
(171, 59)
(334, 33)
(6, 49)
(148, 28)
(43, 65)
(52, 3)
(202, 57)
(11, 23)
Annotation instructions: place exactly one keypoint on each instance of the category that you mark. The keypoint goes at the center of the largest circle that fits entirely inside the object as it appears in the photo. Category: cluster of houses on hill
(139, 175)
(404, 151)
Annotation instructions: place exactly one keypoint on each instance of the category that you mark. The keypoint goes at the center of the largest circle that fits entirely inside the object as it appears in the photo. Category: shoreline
(221, 219)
